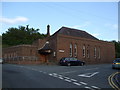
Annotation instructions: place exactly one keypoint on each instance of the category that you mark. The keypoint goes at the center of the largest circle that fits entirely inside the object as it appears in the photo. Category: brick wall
(107, 49)
(60, 45)
(20, 54)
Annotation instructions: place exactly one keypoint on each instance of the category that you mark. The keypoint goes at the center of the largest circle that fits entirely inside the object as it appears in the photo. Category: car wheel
(68, 64)
(113, 67)
(82, 64)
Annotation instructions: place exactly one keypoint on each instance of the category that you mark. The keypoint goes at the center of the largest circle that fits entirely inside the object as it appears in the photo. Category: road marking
(83, 83)
(95, 87)
(67, 80)
(76, 83)
(60, 78)
(55, 76)
(60, 75)
(89, 88)
(68, 72)
(73, 80)
(50, 74)
(88, 74)
(55, 73)
(67, 77)
(112, 84)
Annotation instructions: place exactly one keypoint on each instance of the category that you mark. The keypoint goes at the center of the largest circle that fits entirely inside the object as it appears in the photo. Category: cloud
(13, 20)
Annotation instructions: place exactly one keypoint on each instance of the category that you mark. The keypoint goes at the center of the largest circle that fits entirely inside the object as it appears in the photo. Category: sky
(97, 18)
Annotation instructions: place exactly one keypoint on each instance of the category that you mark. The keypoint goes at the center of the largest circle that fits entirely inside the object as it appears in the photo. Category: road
(93, 77)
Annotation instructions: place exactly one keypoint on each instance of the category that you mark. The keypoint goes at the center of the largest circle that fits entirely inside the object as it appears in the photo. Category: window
(83, 50)
(95, 52)
(75, 50)
(99, 52)
(70, 50)
(54, 54)
(88, 52)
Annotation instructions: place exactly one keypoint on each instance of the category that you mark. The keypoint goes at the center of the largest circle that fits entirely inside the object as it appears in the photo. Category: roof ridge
(73, 28)
(74, 32)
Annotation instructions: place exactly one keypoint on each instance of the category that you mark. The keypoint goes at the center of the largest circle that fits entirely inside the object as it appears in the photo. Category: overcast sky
(97, 18)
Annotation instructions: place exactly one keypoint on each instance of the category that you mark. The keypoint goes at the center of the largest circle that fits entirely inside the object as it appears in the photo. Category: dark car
(71, 61)
(1, 61)
(116, 63)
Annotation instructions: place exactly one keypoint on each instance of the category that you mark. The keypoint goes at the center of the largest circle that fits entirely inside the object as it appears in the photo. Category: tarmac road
(92, 77)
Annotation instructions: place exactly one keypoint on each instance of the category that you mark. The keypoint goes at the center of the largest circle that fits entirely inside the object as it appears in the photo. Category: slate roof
(75, 33)
(45, 47)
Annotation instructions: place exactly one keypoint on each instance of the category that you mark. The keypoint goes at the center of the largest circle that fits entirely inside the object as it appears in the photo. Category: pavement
(92, 77)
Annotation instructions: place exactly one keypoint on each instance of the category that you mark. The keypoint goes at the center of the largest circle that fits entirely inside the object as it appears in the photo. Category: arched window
(83, 50)
(70, 50)
(75, 50)
(99, 53)
(95, 52)
(88, 52)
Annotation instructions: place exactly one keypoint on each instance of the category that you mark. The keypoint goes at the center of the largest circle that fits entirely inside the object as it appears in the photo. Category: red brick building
(66, 42)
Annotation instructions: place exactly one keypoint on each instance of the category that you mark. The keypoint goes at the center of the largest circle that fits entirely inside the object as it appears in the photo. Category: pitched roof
(75, 33)
(46, 49)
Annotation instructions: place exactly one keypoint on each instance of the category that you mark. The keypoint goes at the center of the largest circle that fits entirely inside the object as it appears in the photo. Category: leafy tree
(117, 48)
(20, 35)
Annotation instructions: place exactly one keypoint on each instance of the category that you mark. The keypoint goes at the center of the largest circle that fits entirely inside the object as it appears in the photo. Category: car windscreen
(117, 60)
(72, 59)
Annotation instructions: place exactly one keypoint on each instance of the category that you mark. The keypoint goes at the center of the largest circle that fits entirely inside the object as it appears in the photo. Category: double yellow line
(110, 80)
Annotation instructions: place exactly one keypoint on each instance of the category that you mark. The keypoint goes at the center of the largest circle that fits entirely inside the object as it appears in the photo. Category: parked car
(116, 63)
(71, 61)
(1, 61)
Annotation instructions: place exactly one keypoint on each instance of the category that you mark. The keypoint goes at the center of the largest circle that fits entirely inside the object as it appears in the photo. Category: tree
(117, 48)
(20, 35)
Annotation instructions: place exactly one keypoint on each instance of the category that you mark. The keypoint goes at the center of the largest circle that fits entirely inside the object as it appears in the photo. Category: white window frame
(88, 52)
(99, 56)
(84, 51)
(70, 49)
(95, 50)
(75, 50)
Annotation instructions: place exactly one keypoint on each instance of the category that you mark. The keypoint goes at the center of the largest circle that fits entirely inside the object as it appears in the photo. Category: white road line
(68, 72)
(60, 78)
(89, 88)
(88, 74)
(50, 74)
(73, 79)
(76, 83)
(83, 83)
(60, 75)
(67, 80)
(55, 76)
(55, 73)
(67, 77)
(95, 87)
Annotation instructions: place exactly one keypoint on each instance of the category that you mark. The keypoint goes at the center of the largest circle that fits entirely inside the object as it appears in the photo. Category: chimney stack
(48, 30)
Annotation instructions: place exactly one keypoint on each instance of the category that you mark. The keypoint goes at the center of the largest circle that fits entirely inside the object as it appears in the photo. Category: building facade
(66, 42)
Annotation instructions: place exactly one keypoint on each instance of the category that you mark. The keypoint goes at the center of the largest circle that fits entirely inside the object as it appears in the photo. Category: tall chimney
(48, 30)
